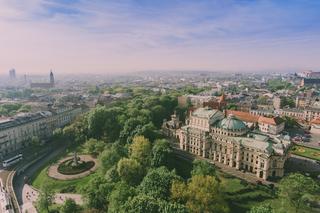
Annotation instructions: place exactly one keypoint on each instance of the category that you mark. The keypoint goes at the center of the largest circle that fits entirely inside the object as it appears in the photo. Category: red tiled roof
(244, 116)
(271, 121)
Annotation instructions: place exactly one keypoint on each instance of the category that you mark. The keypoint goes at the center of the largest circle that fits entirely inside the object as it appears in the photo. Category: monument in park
(75, 165)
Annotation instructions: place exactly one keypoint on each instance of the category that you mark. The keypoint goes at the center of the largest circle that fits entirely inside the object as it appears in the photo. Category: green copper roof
(269, 148)
(231, 123)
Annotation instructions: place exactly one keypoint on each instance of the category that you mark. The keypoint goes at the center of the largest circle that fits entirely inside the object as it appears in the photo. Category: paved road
(19, 179)
(301, 164)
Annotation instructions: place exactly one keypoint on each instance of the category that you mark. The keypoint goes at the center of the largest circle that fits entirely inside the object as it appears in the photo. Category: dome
(231, 123)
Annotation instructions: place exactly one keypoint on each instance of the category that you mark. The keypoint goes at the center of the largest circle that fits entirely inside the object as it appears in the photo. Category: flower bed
(67, 167)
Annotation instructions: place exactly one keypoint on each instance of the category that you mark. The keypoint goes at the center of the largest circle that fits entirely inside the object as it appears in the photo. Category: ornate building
(171, 128)
(208, 133)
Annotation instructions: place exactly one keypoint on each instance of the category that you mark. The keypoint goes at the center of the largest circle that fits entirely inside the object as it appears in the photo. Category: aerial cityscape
(160, 106)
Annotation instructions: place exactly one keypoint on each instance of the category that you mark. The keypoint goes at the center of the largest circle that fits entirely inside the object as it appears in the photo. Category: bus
(11, 161)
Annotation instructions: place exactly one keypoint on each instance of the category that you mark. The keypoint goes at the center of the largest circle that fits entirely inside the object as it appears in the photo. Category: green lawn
(306, 152)
(40, 179)
(68, 186)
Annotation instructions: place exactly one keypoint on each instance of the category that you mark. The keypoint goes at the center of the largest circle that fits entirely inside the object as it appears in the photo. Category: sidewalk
(30, 196)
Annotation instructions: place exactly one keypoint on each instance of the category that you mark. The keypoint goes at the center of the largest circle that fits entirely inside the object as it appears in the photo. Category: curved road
(18, 182)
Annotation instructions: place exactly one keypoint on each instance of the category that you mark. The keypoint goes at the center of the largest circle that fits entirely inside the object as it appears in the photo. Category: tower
(12, 74)
(51, 78)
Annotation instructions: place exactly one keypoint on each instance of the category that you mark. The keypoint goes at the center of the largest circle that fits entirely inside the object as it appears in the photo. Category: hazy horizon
(118, 37)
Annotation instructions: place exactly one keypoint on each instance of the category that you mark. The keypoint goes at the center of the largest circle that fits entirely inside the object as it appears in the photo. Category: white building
(227, 140)
(17, 132)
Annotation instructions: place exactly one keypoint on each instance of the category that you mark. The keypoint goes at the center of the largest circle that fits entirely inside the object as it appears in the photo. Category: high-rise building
(12, 74)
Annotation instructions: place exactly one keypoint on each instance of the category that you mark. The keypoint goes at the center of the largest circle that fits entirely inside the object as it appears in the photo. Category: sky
(121, 36)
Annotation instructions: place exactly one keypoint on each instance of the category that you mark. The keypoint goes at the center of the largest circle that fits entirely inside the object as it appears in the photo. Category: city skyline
(77, 36)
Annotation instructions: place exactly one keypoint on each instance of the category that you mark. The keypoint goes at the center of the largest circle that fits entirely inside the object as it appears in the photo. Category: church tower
(51, 78)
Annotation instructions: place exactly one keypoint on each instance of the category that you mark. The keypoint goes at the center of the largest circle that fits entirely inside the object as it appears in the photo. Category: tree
(287, 102)
(57, 134)
(202, 167)
(110, 156)
(171, 207)
(291, 122)
(69, 206)
(112, 175)
(142, 204)
(262, 100)
(94, 146)
(201, 194)
(96, 192)
(157, 183)
(45, 199)
(297, 189)
(35, 141)
(179, 191)
(130, 171)
(140, 150)
(266, 208)
(161, 153)
(103, 123)
(118, 197)
(158, 113)
(77, 131)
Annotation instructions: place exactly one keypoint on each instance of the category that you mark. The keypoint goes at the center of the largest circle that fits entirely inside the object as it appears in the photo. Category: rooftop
(232, 123)
(271, 121)
(204, 112)
(244, 116)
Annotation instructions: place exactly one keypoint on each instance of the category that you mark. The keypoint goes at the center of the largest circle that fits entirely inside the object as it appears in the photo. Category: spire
(51, 78)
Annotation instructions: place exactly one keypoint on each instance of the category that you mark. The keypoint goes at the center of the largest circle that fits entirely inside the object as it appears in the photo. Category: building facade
(17, 132)
(208, 133)
(171, 128)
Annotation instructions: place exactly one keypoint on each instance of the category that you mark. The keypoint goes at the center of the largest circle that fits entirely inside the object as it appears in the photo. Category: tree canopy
(157, 182)
(202, 167)
(201, 194)
(297, 189)
(130, 171)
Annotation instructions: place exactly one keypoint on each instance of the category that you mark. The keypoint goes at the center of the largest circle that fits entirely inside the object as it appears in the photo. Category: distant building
(44, 85)
(12, 74)
(216, 104)
(273, 125)
(309, 74)
(309, 81)
(269, 125)
(276, 102)
(315, 126)
(291, 112)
